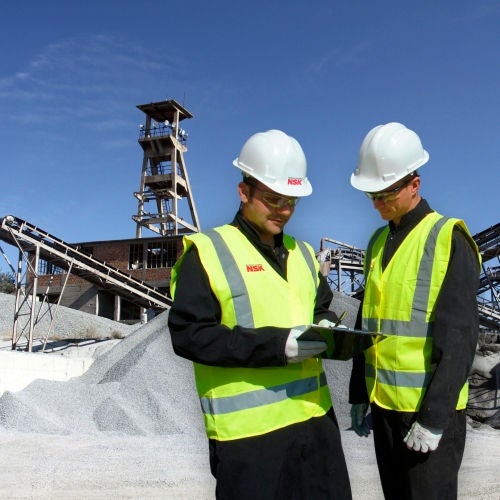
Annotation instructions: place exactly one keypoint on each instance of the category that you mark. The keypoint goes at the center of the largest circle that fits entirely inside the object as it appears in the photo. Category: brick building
(147, 260)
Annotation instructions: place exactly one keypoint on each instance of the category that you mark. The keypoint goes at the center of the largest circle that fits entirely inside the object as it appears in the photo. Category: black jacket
(456, 325)
(195, 316)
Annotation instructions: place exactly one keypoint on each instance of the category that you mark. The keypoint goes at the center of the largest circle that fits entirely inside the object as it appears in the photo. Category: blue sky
(325, 72)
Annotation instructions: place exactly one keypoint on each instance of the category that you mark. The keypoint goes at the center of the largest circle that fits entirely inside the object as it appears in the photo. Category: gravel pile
(60, 322)
(138, 387)
(131, 427)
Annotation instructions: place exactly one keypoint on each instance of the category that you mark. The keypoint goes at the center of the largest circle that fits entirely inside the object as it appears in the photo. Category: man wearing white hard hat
(421, 278)
(243, 294)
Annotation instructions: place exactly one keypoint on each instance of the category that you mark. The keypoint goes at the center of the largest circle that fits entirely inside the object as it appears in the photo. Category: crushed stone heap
(138, 387)
(61, 322)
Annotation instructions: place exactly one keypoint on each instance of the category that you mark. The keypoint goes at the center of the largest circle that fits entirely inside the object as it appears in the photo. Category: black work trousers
(412, 475)
(304, 461)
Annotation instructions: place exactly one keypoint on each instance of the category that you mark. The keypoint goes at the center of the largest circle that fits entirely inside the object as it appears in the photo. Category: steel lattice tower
(164, 178)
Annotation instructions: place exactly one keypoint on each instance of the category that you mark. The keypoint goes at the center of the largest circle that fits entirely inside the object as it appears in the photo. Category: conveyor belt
(28, 237)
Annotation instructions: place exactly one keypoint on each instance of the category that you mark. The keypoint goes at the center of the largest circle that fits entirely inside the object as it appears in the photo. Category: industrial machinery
(35, 244)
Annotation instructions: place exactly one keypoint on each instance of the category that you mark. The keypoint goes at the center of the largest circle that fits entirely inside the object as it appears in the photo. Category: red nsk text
(295, 181)
(251, 268)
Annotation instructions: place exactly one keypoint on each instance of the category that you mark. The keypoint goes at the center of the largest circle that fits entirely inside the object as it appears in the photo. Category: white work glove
(358, 419)
(326, 324)
(424, 439)
(329, 324)
(298, 350)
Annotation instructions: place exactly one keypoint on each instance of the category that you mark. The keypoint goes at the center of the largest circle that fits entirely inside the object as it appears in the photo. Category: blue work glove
(424, 439)
(298, 350)
(358, 419)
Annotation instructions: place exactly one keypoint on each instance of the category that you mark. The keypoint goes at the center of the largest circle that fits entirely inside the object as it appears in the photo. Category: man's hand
(298, 350)
(329, 324)
(326, 324)
(358, 419)
(424, 439)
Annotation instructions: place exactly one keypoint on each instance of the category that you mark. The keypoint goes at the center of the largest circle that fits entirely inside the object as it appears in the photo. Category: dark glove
(358, 419)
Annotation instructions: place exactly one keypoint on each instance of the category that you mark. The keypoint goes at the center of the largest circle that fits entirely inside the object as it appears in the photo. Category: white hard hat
(388, 153)
(277, 160)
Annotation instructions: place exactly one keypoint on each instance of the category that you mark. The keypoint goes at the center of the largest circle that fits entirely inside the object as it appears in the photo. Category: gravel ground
(130, 427)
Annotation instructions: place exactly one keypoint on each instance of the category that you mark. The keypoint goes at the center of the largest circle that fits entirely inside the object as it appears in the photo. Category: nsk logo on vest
(251, 268)
(295, 181)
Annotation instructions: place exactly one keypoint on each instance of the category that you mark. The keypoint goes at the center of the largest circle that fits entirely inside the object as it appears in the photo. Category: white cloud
(337, 57)
(85, 77)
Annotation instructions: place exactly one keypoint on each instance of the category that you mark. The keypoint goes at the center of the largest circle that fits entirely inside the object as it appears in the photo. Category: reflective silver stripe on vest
(398, 379)
(267, 396)
(308, 258)
(239, 292)
(417, 326)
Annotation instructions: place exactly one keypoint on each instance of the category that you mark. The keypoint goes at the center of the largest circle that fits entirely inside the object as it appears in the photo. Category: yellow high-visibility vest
(244, 402)
(400, 300)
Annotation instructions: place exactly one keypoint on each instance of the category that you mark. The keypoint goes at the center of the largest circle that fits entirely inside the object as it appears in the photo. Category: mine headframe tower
(164, 178)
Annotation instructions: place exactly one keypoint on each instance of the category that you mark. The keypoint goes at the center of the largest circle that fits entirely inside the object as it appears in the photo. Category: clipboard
(342, 343)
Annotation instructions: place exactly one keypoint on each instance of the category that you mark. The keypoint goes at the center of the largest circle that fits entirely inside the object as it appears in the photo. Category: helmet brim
(374, 185)
(295, 187)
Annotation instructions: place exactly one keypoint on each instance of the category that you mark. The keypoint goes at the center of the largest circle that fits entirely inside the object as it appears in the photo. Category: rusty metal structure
(164, 177)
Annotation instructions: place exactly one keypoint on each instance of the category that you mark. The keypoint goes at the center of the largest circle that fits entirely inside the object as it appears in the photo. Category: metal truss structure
(342, 265)
(34, 244)
(163, 185)
(488, 296)
(164, 177)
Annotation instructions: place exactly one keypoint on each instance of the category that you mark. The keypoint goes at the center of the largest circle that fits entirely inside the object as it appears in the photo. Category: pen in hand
(341, 317)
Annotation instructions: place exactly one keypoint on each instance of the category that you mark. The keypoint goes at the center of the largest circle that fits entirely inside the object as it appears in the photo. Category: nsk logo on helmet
(277, 160)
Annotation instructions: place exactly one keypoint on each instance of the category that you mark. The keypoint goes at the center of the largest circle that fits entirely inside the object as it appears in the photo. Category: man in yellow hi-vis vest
(421, 278)
(243, 294)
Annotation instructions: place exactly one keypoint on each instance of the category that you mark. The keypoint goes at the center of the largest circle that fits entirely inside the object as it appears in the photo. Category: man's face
(266, 210)
(397, 200)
